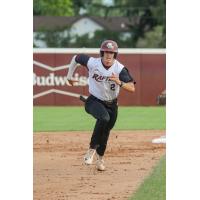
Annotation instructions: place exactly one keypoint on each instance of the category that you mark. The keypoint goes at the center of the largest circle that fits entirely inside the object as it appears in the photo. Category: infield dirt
(59, 172)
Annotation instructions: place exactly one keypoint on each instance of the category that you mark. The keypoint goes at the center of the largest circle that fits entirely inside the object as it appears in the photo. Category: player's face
(108, 58)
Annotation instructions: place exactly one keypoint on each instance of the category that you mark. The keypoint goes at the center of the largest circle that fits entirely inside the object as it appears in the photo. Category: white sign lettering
(53, 80)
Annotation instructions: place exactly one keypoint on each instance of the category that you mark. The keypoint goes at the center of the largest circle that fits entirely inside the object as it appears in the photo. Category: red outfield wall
(148, 68)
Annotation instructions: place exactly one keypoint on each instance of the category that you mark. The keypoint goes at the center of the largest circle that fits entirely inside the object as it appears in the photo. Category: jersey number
(112, 87)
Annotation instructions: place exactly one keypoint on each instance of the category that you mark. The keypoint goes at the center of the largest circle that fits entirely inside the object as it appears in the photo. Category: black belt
(110, 102)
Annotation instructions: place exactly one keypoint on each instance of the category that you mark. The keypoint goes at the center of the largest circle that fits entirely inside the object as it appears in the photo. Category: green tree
(146, 13)
(147, 25)
(152, 39)
(53, 7)
(99, 37)
(99, 8)
(58, 37)
(79, 5)
(91, 7)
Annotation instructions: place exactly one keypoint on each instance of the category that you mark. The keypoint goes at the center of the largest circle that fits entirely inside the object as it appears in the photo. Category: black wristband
(121, 84)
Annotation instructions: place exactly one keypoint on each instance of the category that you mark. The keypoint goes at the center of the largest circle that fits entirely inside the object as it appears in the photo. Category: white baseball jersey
(99, 84)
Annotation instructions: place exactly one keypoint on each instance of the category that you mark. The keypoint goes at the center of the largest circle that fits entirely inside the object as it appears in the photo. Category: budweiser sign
(52, 79)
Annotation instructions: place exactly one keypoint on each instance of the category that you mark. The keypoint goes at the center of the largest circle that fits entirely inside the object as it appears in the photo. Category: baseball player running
(106, 77)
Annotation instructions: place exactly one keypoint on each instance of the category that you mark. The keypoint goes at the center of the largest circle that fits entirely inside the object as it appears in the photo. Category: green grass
(154, 187)
(75, 118)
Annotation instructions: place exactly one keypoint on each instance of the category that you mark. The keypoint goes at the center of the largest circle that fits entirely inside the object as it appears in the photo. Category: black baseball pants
(106, 116)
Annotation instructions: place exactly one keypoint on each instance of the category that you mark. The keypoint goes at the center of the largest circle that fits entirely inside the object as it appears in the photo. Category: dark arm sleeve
(82, 59)
(125, 76)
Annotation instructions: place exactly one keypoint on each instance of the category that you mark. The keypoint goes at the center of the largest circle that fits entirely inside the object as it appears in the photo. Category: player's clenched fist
(115, 78)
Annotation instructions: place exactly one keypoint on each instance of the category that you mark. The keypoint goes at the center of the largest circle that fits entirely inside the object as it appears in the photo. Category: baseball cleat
(88, 158)
(100, 163)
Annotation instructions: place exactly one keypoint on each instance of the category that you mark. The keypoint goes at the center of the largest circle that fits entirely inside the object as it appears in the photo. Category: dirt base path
(59, 172)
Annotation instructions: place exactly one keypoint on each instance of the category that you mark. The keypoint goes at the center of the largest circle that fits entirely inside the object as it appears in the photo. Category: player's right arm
(80, 59)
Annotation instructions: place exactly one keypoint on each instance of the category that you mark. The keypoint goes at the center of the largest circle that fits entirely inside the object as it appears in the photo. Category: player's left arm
(124, 80)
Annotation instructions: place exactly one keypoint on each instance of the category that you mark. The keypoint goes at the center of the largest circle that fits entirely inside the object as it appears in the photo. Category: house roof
(52, 22)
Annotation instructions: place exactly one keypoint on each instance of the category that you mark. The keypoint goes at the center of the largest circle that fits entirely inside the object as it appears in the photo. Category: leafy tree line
(53, 7)
(56, 39)
(148, 31)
